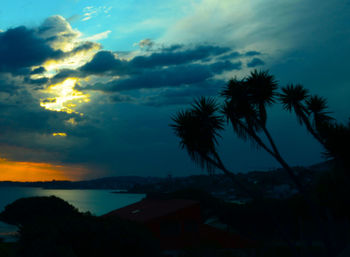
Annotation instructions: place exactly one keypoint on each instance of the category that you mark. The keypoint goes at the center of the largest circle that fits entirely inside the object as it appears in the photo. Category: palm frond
(198, 129)
(317, 107)
(293, 98)
(262, 87)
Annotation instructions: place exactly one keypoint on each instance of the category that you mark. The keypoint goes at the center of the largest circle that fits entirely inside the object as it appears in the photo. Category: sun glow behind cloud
(63, 97)
(59, 134)
(34, 171)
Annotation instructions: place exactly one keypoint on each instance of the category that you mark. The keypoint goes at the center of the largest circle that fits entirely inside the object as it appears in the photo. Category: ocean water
(98, 202)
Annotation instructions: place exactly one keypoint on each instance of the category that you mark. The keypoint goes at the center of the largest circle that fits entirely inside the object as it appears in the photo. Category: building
(178, 225)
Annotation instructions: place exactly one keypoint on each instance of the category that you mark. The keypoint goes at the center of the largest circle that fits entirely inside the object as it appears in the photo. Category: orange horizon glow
(35, 171)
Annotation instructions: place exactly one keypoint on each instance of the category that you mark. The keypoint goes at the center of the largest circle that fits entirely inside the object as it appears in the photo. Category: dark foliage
(244, 107)
(55, 228)
(33, 209)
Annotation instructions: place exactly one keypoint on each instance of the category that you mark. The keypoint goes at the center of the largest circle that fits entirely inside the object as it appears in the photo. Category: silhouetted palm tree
(293, 99)
(261, 86)
(317, 107)
(245, 108)
(198, 130)
(296, 98)
(337, 141)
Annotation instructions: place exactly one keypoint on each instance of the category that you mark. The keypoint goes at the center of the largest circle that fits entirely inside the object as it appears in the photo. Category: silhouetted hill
(122, 183)
(272, 182)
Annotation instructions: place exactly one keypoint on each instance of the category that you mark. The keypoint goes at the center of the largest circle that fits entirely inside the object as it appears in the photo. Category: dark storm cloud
(27, 126)
(23, 122)
(105, 61)
(219, 67)
(171, 95)
(231, 56)
(6, 85)
(108, 62)
(120, 98)
(252, 53)
(171, 57)
(21, 48)
(26, 118)
(255, 62)
(185, 94)
(21, 112)
(174, 76)
(39, 70)
(64, 74)
(39, 82)
(173, 66)
(85, 46)
(171, 75)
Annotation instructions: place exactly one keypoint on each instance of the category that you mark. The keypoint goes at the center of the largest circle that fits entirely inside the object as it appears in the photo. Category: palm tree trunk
(219, 164)
(311, 130)
(269, 137)
(300, 187)
(290, 172)
(275, 153)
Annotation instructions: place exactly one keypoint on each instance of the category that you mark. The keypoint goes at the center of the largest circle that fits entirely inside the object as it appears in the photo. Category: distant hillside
(122, 182)
(217, 184)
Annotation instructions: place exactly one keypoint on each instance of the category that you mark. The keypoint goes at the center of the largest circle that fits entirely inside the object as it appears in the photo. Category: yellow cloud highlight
(60, 134)
(73, 61)
(72, 122)
(64, 97)
(34, 171)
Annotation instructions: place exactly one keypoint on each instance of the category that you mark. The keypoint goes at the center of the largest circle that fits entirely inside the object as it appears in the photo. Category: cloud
(171, 57)
(98, 36)
(274, 28)
(8, 84)
(84, 46)
(173, 76)
(91, 11)
(255, 62)
(185, 94)
(39, 70)
(120, 98)
(105, 61)
(38, 116)
(22, 48)
(32, 59)
(29, 50)
(252, 53)
(58, 33)
(166, 66)
(146, 43)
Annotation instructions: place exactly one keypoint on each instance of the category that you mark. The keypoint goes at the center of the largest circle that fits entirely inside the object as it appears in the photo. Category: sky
(88, 88)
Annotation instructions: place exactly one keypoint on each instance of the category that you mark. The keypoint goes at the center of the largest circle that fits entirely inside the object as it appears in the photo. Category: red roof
(149, 209)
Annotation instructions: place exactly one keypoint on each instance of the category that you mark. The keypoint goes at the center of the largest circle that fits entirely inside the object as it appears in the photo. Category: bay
(98, 201)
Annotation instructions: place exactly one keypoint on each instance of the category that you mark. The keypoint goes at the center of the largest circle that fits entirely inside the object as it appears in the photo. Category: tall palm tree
(262, 90)
(317, 107)
(245, 108)
(296, 98)
(198, 129)
(293, 99)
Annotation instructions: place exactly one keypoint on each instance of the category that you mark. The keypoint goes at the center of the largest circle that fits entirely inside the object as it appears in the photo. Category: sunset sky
(88, 88)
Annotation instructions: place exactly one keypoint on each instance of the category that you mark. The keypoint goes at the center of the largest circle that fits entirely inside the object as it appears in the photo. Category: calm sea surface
(98, 202)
